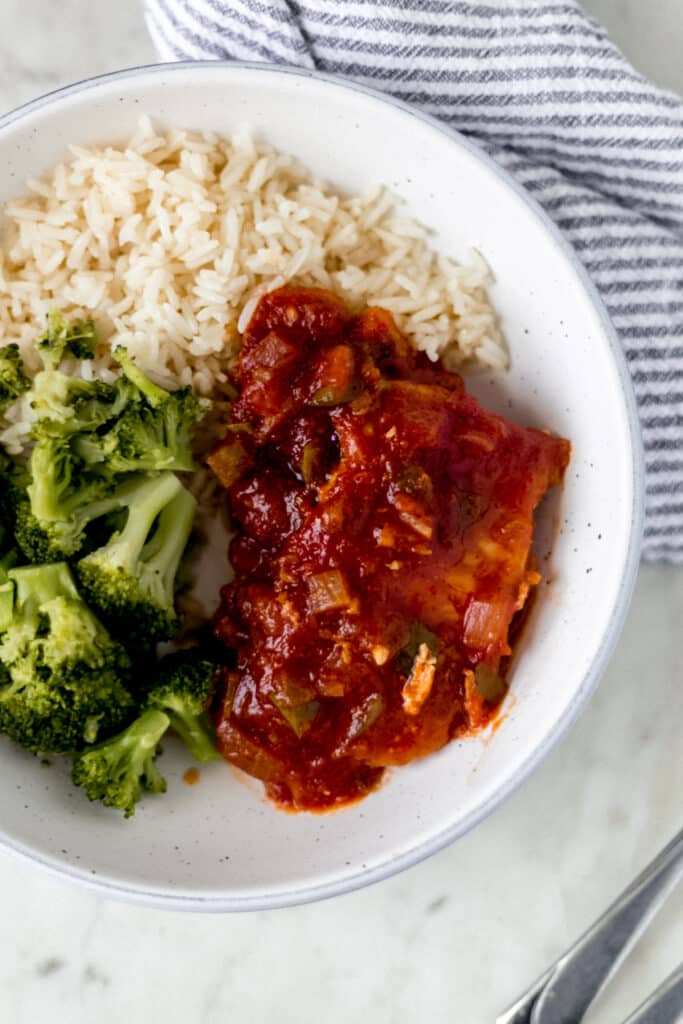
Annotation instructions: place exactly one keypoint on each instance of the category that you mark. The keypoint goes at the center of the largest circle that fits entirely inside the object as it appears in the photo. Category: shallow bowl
(218, 845)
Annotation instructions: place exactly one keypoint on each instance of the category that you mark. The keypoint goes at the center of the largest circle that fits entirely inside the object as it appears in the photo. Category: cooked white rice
(168, 242)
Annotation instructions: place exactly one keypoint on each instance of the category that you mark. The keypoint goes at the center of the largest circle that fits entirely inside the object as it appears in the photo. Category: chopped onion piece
(486, 623)
(420, 525)
(327, 591)
(230, 461)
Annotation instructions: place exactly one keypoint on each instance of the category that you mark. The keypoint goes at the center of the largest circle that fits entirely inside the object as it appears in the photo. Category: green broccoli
(183, 690)
(130, 579)
(66, 405)
(13, 379)
(88, 435)
(132, 425)
(62, 339)
(40, 542)
(154, 431)
(60, 485)
(56, 501)
(153, 394)
(152, 440)
(118, 770)
(66, 679)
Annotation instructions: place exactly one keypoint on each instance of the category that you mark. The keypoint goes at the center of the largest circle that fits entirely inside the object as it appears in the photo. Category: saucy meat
(382, 550)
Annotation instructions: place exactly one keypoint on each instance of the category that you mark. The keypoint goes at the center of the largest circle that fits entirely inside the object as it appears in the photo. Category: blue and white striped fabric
(541, 87)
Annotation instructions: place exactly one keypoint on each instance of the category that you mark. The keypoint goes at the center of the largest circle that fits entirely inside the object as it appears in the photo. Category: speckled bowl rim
(312, 893)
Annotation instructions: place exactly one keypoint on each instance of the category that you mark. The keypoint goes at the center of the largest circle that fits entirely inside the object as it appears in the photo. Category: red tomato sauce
(383, 524)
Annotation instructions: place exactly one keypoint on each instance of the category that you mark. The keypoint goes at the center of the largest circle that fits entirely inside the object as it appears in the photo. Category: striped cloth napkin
(545, 92)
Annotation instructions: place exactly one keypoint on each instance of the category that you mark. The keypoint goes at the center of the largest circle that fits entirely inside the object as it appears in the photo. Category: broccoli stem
(6, 605)
(150, 498)
(163, 552)
(194, 730)
(141, 738)
(130, 579)
(36, 585)
(184, 688)
(8, 559)
(155, 395)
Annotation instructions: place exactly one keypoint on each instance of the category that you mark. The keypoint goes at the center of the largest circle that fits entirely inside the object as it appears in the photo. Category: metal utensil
(564, 992)
(665, 1005)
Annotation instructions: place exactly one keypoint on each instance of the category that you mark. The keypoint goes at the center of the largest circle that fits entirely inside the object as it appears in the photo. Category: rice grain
(168, 243)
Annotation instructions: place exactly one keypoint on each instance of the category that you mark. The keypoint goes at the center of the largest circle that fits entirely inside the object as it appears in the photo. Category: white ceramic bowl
(219, 845)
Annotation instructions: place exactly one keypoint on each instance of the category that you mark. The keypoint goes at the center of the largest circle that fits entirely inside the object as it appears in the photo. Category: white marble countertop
(455, 938)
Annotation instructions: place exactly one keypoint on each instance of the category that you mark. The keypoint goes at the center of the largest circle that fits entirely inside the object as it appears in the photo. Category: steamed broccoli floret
(154, 431)
(62, 338)
(132, 425)
(130, 580)
(56, 501)
(60, 484)
(88, 435)
(66, 679)
(153, 439)
(67, 405)
(154, 394)
(13, 379)
(44, 542)
(119, 770)
(184, 688)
